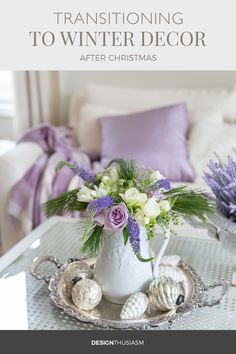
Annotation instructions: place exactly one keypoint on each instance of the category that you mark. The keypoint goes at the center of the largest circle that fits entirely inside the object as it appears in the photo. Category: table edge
(11, 255)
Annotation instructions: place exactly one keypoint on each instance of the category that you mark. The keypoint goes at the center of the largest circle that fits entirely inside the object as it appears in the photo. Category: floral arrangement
(222, 181)
(124, 198)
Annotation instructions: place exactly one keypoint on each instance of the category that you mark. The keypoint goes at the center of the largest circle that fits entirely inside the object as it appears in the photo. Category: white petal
(164, 204)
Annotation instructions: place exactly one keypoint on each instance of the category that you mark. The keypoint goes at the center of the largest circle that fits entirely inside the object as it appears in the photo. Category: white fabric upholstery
(133, 100)
(13, 166)
(209, 136)
(88, 129)
(141, 99)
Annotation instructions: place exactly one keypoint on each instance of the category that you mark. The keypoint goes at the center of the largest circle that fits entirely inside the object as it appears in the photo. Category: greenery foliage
(187, 202)
(143, 194)
(65, 203)
(92, 244)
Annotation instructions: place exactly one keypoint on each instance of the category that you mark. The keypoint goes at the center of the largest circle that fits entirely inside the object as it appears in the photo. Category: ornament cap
(76, 280)
(180, 300)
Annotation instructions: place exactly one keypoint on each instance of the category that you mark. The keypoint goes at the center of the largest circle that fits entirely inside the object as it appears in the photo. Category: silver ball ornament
(86, 294)
(76, 270)
(165, 294)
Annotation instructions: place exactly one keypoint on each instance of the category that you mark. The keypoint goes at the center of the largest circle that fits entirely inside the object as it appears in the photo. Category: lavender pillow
(154, 138)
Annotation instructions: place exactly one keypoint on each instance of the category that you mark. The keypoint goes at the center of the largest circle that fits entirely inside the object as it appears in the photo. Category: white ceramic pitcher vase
(119, 272)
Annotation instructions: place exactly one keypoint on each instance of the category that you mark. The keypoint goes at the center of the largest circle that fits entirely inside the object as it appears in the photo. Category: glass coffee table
(25, 303)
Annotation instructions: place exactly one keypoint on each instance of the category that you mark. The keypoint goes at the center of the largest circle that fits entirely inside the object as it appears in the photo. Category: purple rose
(117, 217)
(114, 218)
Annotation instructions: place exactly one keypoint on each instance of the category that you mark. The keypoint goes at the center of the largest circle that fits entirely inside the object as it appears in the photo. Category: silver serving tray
(107, 315)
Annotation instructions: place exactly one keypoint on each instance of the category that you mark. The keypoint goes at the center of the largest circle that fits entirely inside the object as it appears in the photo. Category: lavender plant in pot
(221, 178)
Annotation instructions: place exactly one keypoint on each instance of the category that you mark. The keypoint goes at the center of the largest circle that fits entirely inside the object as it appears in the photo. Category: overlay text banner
(128, 35)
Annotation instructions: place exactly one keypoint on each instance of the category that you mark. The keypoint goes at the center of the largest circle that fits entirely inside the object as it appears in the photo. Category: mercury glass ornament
(86, 294)
(76, 270)
(165, 294)
(171, 272)
(134, 306)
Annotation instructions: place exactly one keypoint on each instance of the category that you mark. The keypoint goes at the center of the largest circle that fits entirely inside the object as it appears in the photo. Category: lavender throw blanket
(41, 182)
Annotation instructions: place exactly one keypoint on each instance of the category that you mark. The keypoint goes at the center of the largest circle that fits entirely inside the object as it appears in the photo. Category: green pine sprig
(92, 244)
(65, 203)
(89, 226)
(127, 169)
(187, 202)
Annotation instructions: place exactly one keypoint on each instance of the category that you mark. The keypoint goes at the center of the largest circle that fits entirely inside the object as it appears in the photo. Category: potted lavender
(221, 178)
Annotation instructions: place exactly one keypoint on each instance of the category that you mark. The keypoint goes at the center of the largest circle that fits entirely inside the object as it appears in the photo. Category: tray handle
(225, 287)
(38, 261)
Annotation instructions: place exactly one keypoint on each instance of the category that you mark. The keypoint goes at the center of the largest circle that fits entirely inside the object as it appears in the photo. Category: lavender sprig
(93, 208)
(163, 183)
(222, 181)
(134, 239)
(83, 174)
(99, 204)
(86, 176)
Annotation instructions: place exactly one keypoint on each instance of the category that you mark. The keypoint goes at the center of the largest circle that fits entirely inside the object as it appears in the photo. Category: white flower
(106, 179)
(114, 174)
(98, 192)
(133, 197)
(151, 208)
(142, 220)
(84, 194)
(156, 176)
(110, 177)
(164, 204)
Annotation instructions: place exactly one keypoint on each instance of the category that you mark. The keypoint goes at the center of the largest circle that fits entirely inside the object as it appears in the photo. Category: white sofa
(13, 165)
(212, 114)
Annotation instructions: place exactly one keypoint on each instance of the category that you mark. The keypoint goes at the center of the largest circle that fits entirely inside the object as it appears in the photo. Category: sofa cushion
(88, 130)
(208, 136)
(131, 99)
(155, 138)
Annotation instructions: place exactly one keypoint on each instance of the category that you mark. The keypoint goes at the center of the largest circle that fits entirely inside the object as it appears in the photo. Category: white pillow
(206, 115)
(88, 128)
(208, 136)
(141, 99)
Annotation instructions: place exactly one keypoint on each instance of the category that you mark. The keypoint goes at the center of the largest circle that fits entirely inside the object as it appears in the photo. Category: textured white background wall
(76, 81)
